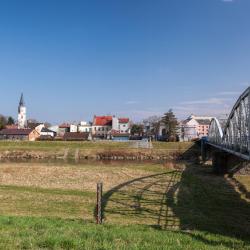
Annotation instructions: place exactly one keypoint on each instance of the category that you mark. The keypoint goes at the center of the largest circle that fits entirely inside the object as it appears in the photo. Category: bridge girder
(235, 137)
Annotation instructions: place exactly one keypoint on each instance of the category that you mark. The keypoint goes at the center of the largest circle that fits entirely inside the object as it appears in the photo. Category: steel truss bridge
(234, 138)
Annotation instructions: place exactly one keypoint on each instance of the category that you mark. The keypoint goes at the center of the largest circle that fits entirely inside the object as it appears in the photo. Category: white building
(84, 127)
(21, 119)
(194, 127)
(124, 125)
(73, 128)
(54, 128)
(47, 132)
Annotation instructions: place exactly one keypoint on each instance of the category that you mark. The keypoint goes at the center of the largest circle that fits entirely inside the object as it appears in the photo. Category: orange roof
(102, 121)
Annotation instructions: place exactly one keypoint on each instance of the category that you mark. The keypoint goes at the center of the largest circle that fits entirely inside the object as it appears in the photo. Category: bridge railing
(236, 134)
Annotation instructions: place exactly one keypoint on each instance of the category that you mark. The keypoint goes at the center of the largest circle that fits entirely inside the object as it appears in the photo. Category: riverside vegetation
(173, 204)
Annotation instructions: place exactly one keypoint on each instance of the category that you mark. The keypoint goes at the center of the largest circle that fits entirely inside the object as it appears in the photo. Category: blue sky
(136, 58)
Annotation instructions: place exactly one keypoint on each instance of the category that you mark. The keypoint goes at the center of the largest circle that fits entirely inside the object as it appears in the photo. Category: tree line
(4, 121)
(164, 128)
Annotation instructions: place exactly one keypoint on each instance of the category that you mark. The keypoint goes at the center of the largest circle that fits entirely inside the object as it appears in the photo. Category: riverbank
(96, 150)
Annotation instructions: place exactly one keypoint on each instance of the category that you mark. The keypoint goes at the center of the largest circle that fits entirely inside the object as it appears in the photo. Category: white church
(22, 118)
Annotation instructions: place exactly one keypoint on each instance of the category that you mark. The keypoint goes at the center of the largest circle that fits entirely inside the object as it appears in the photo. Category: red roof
(64, 125)
(12, 126)
(123, 120)
(102, 121)
(15, 131)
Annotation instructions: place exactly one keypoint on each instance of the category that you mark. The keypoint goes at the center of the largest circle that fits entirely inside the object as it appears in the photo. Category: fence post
(99, 203)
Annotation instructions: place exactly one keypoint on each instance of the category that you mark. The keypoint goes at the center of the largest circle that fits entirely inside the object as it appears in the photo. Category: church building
(21, 119)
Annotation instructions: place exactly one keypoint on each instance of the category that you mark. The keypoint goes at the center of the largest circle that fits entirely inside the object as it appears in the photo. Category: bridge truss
(234, 137)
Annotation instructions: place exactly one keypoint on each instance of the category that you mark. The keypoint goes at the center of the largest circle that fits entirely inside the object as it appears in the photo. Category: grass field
(100, 145)
(76, 151)
(146, 206)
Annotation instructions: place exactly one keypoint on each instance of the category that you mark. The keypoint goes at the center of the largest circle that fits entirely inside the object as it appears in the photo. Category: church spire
(21, 103)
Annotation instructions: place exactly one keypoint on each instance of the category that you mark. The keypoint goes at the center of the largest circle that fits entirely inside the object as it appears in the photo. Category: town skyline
(126, 58)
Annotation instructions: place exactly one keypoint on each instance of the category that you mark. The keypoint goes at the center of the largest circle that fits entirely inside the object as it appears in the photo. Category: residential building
(45, 132)
(73, 128)
(85, 127)
(35, 125)
(54, 128)
(124, 125)
(13, 126)
(120, 125)
(19, 134)
(102, 125)
(194, 127)
(105, 126)
(63, 128)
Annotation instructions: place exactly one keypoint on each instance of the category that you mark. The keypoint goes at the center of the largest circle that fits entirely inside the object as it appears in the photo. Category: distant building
(75, 136)
(21, 119)
(105, 126)
(120, 137)
(102, 125)
(19, 134)
(63, 128)
(35, 125)
(194, 127)
(45, 132)
(73, 128)
(84, 127)
(13, 126)
(124, 125)
(54, 128)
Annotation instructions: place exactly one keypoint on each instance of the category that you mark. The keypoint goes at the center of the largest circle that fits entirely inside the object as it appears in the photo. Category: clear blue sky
(74, 59)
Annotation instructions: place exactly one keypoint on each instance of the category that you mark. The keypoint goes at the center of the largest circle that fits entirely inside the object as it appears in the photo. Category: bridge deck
(241, 155)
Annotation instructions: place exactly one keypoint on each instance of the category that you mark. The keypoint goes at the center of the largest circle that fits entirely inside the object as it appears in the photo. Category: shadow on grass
(191, 200)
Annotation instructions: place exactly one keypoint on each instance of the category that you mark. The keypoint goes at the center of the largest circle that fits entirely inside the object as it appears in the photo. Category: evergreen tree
(10, 121)
(171, 123)
(137, 129)
(3, 122)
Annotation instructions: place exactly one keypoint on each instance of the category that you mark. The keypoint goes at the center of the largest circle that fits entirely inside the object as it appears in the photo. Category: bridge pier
(220, 162)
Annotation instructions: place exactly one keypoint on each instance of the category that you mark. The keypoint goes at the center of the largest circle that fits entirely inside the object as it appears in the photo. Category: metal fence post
(99, 203)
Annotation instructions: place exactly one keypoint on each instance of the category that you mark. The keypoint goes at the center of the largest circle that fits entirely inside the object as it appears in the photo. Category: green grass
(59, 145)
(148, 206)
(43, 233)
(104, 145)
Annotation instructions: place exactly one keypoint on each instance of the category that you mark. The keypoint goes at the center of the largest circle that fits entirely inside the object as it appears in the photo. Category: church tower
(21, 114)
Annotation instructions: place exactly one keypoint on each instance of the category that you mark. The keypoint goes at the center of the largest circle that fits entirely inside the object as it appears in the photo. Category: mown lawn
(145, 206)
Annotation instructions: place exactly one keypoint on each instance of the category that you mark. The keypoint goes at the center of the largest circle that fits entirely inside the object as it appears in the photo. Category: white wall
(22, 117)
(73, 128)
(54, 128)
(115, 123)
(85, 128)
(124, 128)
(47, 133)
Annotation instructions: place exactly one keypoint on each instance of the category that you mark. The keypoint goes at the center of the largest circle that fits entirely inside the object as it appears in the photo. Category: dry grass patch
(78, 177)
